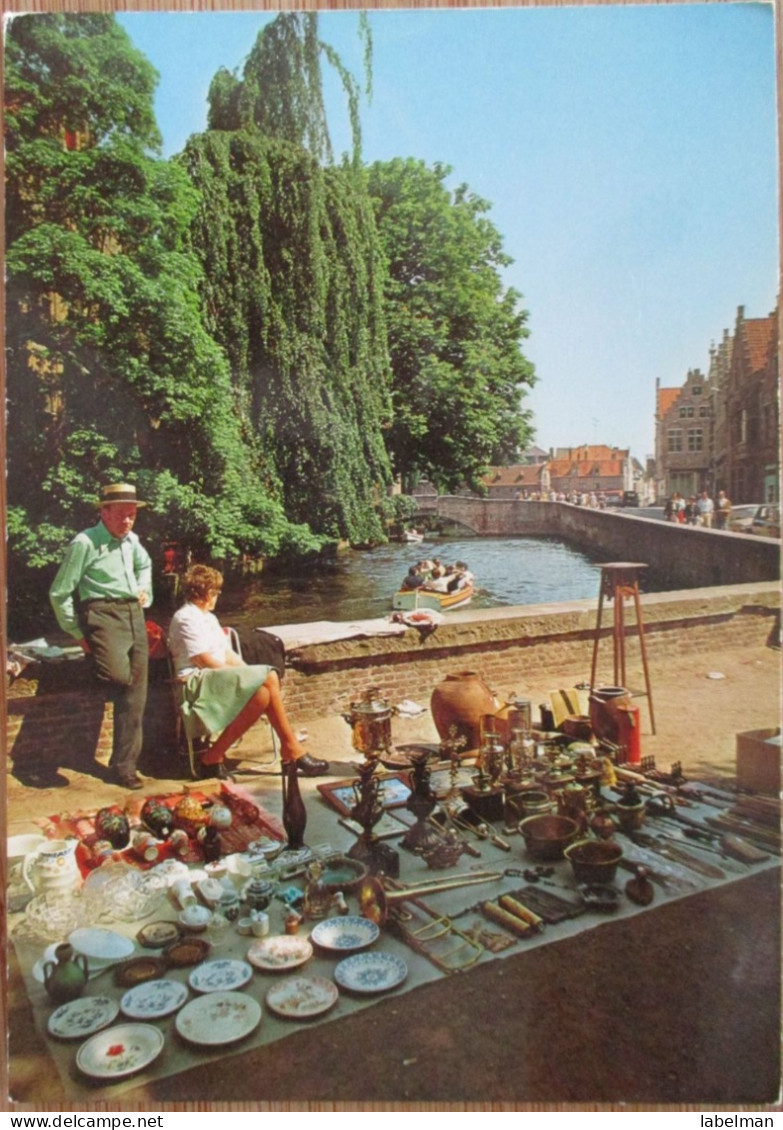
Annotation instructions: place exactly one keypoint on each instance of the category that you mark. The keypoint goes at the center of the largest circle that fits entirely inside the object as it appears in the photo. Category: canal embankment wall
(676, 556)
(58, 716)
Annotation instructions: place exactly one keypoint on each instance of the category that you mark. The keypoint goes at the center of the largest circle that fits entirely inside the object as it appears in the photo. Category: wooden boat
(409, 599)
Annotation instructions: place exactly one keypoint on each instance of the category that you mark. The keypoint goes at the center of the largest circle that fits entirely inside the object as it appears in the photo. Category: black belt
(112, 600)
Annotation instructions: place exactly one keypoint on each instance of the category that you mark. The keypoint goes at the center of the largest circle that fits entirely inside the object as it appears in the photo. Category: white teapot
(52, 867)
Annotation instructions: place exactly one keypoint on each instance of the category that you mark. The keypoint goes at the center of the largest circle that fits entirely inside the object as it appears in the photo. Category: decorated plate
(220, 975)
(286, 951)
(370, 972)
(120, 1051)
(345, 935)
(299, 998)
(98, 943)
(154, 999)
(218, 1018)
(155, 935)
(82, 1017)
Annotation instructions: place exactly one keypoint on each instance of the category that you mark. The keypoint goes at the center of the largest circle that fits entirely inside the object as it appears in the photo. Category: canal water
(359, 585)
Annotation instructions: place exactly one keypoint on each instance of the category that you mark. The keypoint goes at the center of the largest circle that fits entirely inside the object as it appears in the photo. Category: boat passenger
(413, 579)
(465, 575)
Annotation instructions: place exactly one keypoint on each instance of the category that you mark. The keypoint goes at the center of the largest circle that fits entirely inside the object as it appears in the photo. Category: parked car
(766, 521)
(741, 517)
(630, 498)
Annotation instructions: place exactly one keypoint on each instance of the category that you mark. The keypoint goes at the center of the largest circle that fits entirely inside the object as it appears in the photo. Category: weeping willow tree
(294, 281)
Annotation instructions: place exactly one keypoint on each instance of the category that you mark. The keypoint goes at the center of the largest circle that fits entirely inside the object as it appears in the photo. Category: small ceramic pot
(260, 924)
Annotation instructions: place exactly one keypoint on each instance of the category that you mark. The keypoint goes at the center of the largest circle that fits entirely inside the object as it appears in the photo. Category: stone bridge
(677, 556)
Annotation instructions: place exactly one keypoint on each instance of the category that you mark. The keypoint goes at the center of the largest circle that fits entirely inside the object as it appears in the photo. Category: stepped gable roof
(666, 398)
(759, 335)
(518, 475)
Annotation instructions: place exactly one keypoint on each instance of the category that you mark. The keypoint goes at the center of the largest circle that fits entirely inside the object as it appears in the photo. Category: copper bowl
(546, 837)
(594, 861)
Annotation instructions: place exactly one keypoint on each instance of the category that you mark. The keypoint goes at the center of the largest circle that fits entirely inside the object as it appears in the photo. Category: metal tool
(677, 855)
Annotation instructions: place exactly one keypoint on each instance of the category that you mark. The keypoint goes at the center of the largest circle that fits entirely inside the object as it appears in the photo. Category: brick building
(722, 432)
(683, 436)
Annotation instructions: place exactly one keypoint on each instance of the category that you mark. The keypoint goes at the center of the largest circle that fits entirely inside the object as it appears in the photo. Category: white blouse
(192, 632)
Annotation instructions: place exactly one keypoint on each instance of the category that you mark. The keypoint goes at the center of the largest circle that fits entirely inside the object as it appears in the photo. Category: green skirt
(217, 694)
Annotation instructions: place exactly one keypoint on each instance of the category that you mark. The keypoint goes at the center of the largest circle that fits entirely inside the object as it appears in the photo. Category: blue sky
(628, 152)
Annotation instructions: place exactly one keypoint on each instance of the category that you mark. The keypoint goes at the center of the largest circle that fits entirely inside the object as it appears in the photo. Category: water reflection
(359, 585)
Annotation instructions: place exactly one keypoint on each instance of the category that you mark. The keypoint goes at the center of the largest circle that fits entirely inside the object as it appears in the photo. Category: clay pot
(460, 702)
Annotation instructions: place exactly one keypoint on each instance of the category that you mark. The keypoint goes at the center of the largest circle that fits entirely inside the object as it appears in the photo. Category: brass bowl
(546, 837)
(594, 861)
(341, 873)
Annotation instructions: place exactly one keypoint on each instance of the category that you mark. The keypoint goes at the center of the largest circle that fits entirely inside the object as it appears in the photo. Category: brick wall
(57, 715)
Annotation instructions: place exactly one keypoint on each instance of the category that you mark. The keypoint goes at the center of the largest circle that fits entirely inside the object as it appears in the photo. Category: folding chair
(189, 727)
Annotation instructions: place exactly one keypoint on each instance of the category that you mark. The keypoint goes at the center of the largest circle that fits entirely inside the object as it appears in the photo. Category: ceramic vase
(157, 817)
(66, 976)
(458, 704)
(294, 812)
(112, 825)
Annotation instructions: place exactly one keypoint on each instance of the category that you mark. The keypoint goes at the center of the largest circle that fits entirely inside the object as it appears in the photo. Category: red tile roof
(518, 475)
(759, 334)
(666, 398)
(585, 468)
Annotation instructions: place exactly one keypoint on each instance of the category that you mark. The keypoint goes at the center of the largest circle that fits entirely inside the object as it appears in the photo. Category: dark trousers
(117, 635)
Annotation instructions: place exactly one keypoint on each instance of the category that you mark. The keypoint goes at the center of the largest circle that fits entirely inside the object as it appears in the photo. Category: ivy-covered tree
(293, 283)
(110, 372)
(455, 332)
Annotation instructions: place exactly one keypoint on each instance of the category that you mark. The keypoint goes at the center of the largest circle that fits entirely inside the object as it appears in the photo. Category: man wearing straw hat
(109, 571)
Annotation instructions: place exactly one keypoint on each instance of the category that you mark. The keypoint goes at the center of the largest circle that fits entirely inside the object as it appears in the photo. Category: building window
(695, 439)
(682, 413)
(696, 390)
(704, 410)
(675, 439)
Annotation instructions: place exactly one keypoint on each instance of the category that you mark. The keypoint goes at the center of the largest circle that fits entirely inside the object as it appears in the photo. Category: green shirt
(99, 566)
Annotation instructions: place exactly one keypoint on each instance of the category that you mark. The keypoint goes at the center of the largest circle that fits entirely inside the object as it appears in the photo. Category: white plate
(218, 1018)
(153, 999)
(370, 972)
(284, 951)
(299, 998)
(119, 1051)
(82, 1017)
(345, 935)
(220, 975)
(100, 944)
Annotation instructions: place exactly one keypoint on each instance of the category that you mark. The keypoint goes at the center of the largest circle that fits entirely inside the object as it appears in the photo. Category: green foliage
(455, 332)
(110, 370)
(293, 289)
(281, 93)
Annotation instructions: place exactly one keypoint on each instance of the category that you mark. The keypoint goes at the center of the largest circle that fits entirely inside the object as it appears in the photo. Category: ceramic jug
(52, 867)
(66, 976)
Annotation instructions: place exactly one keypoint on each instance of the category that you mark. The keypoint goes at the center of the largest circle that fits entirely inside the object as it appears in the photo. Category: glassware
(317, 897)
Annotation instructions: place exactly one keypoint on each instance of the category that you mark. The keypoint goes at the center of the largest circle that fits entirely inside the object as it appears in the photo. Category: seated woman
(220, 689)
